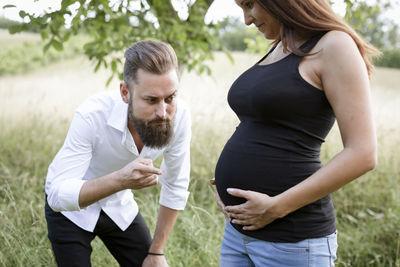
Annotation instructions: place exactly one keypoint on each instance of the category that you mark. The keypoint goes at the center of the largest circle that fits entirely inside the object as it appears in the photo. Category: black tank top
(283, 122)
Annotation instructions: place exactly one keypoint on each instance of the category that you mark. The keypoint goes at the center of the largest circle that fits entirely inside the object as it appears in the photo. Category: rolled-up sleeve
(65, 175)
(176, 167)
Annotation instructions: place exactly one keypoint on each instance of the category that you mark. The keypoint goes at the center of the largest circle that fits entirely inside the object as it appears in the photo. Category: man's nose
(161, 111)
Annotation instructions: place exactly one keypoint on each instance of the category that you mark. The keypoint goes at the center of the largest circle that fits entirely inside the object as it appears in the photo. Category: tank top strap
(310, 43)
(266, 55)
(306, 47)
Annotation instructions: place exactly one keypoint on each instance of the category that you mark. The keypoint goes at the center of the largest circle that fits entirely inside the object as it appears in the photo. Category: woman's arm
(345, 82)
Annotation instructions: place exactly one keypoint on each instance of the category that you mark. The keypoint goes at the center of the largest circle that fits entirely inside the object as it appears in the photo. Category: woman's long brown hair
(309, 18)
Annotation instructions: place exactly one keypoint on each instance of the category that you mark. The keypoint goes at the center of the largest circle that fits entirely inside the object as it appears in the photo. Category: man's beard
(155, 133)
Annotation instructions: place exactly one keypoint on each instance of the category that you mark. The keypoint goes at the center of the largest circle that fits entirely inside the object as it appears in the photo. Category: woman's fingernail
(230, 190)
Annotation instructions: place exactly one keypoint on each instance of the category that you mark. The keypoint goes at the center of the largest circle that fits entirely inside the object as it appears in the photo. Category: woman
(270, 182)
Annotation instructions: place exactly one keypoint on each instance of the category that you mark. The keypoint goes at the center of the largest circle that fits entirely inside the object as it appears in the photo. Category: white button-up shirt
(98, 143)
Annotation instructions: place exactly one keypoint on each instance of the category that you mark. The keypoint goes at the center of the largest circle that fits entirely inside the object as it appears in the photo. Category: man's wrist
(119, 180)
(155, 253)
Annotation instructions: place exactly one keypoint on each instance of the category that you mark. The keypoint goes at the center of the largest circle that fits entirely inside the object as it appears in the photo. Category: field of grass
(35, 112)
(23, 52)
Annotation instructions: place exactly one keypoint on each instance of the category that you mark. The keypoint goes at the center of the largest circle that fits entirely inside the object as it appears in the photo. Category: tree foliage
(232, 34)
(367, 18)
(115, 25)
(112, 26)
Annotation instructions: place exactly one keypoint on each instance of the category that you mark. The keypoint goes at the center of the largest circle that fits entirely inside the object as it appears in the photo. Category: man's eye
(248, 4)
(151, 100)
(169, 99)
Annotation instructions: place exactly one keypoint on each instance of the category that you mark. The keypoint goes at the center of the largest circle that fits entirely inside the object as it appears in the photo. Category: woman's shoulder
(339, 58)
(336, 48)
(335, 41)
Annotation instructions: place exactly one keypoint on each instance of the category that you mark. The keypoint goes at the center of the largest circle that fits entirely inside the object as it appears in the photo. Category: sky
(219, 9)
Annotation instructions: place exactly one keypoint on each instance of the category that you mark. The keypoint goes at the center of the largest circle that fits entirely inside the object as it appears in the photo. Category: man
(108, 151)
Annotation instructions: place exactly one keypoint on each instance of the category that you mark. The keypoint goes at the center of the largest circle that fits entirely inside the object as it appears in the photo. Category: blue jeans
(238, 250)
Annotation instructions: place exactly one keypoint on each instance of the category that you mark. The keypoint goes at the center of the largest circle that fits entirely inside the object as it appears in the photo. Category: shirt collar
(119, 116)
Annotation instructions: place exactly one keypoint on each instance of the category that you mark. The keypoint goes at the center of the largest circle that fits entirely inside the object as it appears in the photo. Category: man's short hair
(152, 56)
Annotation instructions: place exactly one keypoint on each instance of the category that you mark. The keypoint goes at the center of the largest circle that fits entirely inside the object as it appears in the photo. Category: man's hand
(258, 211)
(138, 174)
(219, 201)
(155, 261)
(135, 175)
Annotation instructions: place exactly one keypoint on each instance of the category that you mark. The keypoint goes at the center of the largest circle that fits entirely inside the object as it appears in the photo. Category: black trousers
(71, 244)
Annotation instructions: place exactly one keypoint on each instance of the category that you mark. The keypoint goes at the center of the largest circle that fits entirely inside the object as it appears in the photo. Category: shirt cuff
(68, 194)
(173, 200)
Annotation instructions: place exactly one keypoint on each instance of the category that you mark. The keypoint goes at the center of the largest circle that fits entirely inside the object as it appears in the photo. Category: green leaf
(66, 3)
(57, 45)
(47, 46)
(98, 65)
(120, 76)
(109, 80)
(66, 36)
(54, 28)
(228, 55)
(8, 6)
(44, 35)
(114, 66)
(23, 14)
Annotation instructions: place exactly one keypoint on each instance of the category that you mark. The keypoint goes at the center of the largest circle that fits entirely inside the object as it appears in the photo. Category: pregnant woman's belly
(238, 168)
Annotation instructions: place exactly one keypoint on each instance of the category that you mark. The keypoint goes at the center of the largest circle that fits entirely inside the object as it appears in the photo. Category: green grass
(367, 209)
(23, 52)
(368, 212)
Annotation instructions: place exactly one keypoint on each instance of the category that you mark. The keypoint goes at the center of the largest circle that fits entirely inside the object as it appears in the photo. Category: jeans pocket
(333, 245)
(298, 248)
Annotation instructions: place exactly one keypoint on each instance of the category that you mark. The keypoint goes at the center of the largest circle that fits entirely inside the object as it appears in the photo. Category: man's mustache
(159, 120)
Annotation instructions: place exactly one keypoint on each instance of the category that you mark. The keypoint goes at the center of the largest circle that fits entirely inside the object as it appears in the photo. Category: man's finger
(151, 183)
(144, 161)
(148, 169)
(150, 179)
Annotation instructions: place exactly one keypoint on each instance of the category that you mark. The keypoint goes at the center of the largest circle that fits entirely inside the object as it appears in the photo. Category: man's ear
(124, 91)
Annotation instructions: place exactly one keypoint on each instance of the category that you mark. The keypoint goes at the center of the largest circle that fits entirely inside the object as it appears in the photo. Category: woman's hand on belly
(219, 201)
(258, 210)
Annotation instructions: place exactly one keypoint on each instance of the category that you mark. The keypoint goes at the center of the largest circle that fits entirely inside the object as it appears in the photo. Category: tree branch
(200, 7)
(163, 8)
